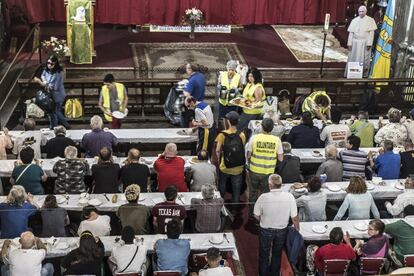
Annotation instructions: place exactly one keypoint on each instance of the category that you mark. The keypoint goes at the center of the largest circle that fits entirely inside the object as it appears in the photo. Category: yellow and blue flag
(381, 63)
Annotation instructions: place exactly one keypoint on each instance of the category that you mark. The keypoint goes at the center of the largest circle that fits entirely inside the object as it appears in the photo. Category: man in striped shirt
(354, 161)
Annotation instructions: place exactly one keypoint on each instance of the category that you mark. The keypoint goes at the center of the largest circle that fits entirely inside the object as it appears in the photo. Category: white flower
(52, 38)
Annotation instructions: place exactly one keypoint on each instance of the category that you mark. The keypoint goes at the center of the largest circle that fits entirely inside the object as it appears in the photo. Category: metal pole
(325, 33)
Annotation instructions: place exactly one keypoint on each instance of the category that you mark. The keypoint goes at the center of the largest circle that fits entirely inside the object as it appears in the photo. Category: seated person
(354, 161)
(289, 168)
(135, 172)
(332, 167)
(126, 257)
(29, 175)
(201, 172)
(57, 145)
(377, 244)
(305, 135)
(208, 210)
(170, 169)
(339, 248)
(96, 224)
(5, 143)
(105, 174)
(70, 173)
(216, 266)
(26, 259)
(335, 133)
(29, 138)
(15, 212)
(87, 258)
(358, 201)
(164, 211)
(364, 129)
(133, 213)
(407, 159)
(54, 218)
(402, 234)
(318, 104)
(402, 201)
(172, 253)
(388, 163)
(312, 205)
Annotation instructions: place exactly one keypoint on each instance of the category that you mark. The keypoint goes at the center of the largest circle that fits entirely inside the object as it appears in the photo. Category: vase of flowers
(55, 46)
(193, 17)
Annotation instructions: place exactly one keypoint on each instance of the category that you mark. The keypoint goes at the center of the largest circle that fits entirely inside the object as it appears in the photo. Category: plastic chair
(167, 273)
(409, 260)
(371, 266)
(336, 267)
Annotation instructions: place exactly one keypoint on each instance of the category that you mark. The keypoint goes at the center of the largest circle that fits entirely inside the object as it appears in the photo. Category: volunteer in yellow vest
(319, 104)
(229, 85)
(263, 152)
(254, 92)
(113, 98)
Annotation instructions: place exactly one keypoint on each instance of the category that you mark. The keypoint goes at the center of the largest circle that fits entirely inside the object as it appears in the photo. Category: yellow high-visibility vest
(309, 100)
(248, 93)
(107, 100)
(224, 81)
(264, 153)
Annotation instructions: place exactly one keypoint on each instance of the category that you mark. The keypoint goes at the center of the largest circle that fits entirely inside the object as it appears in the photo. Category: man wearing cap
(263, 152)
(113, 98)
(170, 169)
(234, 174)
(229, 83)
(57, 145)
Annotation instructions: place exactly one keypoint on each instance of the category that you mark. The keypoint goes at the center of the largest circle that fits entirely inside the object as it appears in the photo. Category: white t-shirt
(203, 112)
(217, 271)
(31, 138)
(122, 255)
(275, 208)
(335, 134)
(99, 227)
(26, 262)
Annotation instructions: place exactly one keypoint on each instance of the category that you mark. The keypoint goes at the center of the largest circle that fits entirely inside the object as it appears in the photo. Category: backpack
(233, 150)
(73, 108)
(297, 106)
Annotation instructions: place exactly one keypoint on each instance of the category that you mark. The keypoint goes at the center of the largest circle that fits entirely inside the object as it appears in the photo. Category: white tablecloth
(148, 199)
(197, 242)
(346, 225)
(387, 191)
(151, 135)
(6, 166)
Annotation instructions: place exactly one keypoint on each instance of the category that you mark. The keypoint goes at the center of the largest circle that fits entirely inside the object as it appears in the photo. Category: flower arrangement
(193, 16)
(55, 46)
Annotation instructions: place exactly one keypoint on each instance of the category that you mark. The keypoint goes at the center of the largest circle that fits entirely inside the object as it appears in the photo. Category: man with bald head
(360, 39)
(331, 166)
(134, 172)
(26, 260)
(170, 169)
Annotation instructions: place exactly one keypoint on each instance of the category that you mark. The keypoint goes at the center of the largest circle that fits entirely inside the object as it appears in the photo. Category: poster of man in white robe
(360, 39)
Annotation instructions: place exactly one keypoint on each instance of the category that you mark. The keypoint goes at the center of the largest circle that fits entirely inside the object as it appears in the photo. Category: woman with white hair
(394, 131)
(208, 210)
(70, 173)
(15, 212)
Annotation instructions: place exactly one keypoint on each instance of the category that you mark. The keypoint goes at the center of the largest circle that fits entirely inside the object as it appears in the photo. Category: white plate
(216, 242)
(333, 188)
(95, 202)
(399, 186)
(361, 226)
(61, 246)
(370, 187)
(119, 114)
(85, 195)
(319, 229)
(301, 190)
(60, 199)
(83, 201)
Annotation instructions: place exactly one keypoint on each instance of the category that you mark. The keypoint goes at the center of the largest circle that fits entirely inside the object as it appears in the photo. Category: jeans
(47, 270)
(236, 184)
(258, 184)
(56, 117)
(271, 239)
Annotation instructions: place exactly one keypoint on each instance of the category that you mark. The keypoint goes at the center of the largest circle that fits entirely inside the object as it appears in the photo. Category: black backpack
(233, 150)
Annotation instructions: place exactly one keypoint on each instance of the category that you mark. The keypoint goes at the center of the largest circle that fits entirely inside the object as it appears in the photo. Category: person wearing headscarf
(228, 86)
(132, 213)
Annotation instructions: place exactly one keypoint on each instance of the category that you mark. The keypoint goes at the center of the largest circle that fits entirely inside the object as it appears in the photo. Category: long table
(198, 242)
(347, 225)
(71, 202)
(6, 166)
(387, 191)
(149, 135)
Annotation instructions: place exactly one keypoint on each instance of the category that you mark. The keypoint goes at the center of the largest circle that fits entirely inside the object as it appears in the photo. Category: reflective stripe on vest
(107, 100)
(307, 103)
(224, 81)
(248, 93)
(264, 153)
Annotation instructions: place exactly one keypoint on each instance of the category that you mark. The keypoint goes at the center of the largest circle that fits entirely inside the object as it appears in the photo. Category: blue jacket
(294, 244)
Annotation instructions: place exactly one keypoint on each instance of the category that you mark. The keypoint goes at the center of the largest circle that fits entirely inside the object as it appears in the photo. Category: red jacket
(170, 171)
(331, 251)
